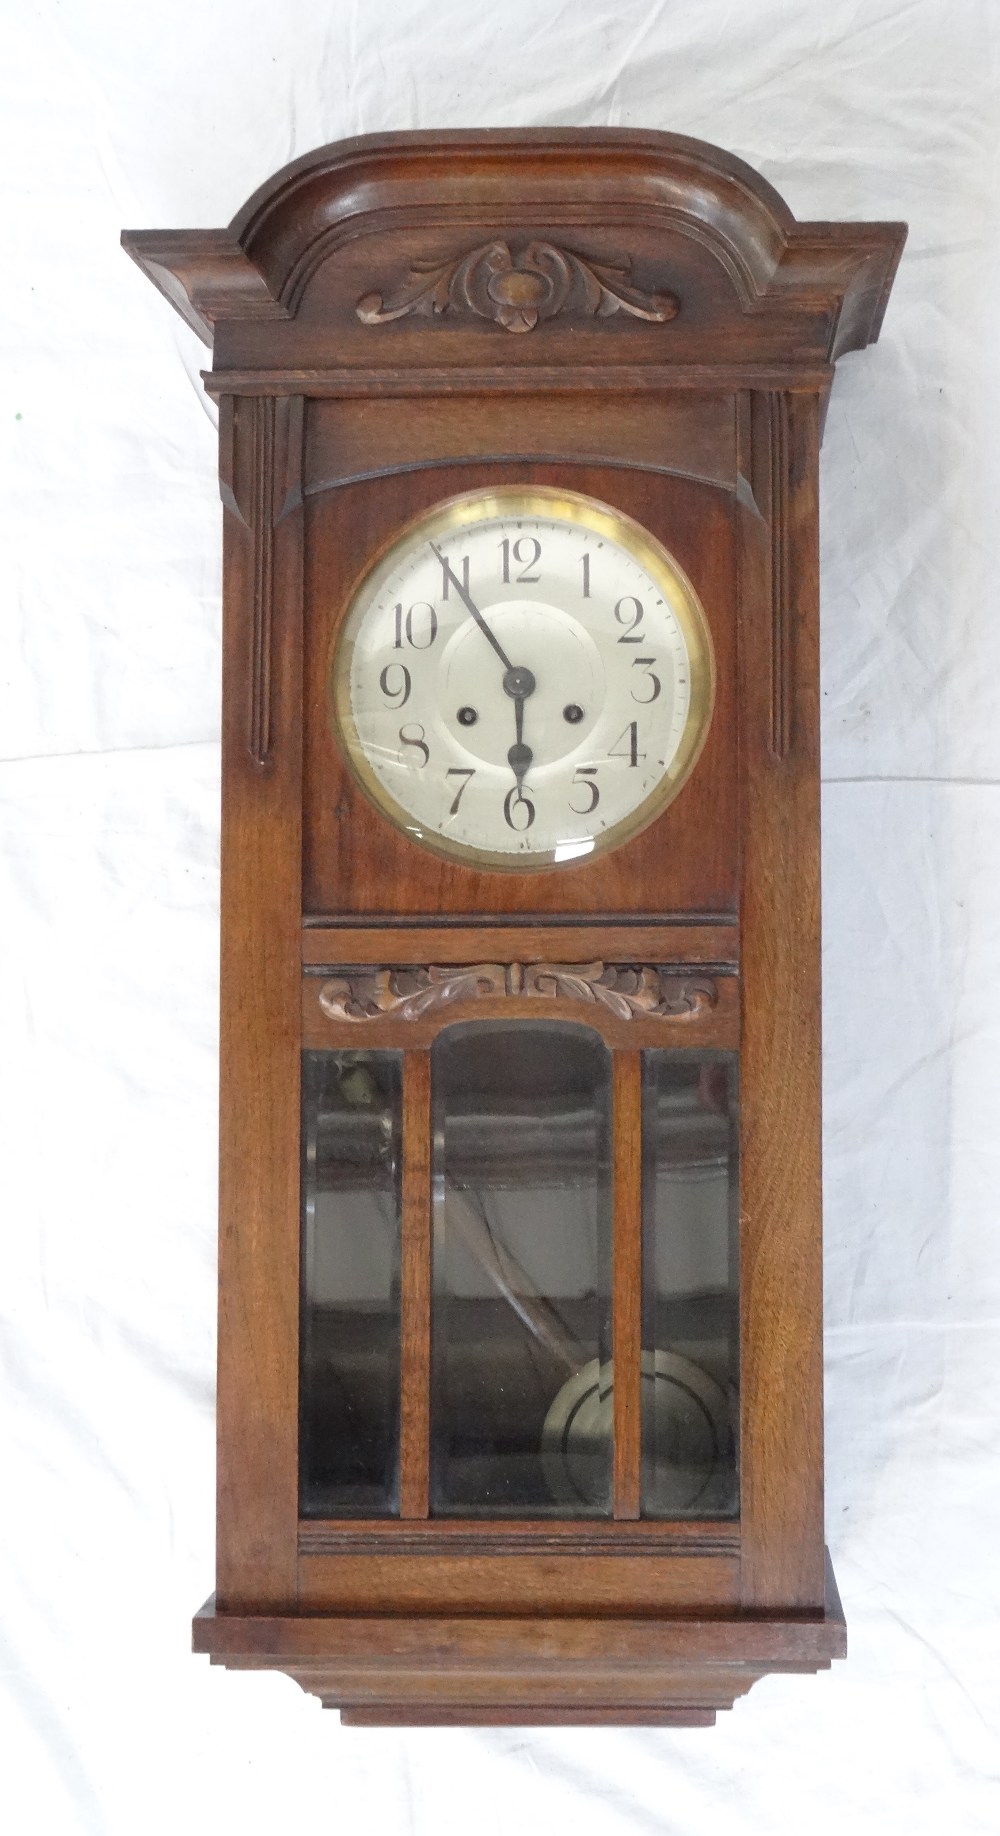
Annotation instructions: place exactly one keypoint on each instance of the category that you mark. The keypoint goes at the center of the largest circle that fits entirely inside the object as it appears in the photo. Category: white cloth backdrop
(170, 113)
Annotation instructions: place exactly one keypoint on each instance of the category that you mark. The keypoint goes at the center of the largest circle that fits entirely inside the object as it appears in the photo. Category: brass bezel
(568, 506)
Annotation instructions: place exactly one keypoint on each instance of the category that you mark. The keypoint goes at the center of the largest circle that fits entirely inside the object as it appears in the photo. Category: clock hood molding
(668, 215)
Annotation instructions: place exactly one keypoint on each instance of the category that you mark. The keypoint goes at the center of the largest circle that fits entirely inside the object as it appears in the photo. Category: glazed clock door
(520, 1305)
(529, 1318)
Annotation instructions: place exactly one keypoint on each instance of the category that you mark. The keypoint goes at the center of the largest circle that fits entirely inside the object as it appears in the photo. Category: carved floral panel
(410, 993)
(518, 290)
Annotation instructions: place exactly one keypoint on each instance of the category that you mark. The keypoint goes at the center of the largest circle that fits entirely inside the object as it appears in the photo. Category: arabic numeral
(631, 752)
(400, 695)
(448, 575)
(419, 625)
(514, 800)
(413, 735)
(466, 773)
(653, 682)
(630, 612)
(585, 776)
(527, 552)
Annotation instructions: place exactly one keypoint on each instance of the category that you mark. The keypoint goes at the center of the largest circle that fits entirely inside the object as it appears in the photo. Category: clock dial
(526, 678)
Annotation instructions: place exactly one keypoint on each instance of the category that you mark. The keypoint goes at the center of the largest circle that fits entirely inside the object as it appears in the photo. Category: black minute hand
(473, 609)
(517, 682)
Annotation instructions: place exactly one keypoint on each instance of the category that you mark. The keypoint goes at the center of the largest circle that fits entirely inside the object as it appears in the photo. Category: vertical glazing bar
(626, 1315)
(415, 1285)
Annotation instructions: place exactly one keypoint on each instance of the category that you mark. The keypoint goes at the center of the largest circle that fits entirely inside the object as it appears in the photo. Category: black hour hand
(520, 756)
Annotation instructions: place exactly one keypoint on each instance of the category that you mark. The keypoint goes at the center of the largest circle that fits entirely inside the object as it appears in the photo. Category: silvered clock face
(526, 678)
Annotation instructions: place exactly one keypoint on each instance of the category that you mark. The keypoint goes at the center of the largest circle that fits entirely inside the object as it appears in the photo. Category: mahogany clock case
(396, 320)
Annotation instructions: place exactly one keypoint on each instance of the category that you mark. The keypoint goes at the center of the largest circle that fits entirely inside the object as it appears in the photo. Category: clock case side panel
(259, 1177)
(781, 1281)
(356, 864)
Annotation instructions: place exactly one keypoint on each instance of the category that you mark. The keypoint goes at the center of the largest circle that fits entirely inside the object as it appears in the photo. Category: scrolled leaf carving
(685, 997)
(518, 290)
(627, 992)
(408, 993)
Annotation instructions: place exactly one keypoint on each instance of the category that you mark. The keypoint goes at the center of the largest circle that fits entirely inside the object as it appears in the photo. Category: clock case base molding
(493, 1672)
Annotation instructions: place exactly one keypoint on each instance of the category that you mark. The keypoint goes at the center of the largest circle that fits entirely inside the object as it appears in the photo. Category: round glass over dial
(525, 678)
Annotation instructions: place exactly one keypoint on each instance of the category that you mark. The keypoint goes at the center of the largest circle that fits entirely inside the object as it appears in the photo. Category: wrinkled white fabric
(115, 114)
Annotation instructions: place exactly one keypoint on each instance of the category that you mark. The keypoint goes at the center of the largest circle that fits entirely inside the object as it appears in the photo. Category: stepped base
(566, 1672)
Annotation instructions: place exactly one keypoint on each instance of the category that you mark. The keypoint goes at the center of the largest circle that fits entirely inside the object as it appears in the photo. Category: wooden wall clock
(520, 1357)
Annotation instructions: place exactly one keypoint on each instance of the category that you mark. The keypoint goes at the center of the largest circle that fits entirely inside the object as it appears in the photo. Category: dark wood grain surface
(259, 1045)
(781, 1263)
(415, 1288)
(397, 319)
(705, 944)
(626, 1315)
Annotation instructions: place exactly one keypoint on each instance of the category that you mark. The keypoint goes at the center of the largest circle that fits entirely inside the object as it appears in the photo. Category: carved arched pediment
(388, 238)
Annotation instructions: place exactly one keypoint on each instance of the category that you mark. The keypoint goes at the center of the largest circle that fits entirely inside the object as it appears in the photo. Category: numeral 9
(397, 696)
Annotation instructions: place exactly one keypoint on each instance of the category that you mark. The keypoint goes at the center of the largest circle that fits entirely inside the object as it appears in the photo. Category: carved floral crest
(629, 993)
(518, 290)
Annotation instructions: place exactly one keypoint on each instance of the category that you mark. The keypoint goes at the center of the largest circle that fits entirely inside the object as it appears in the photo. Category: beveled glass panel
(349, 1386)
(521, 1417)
(690, 1359)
